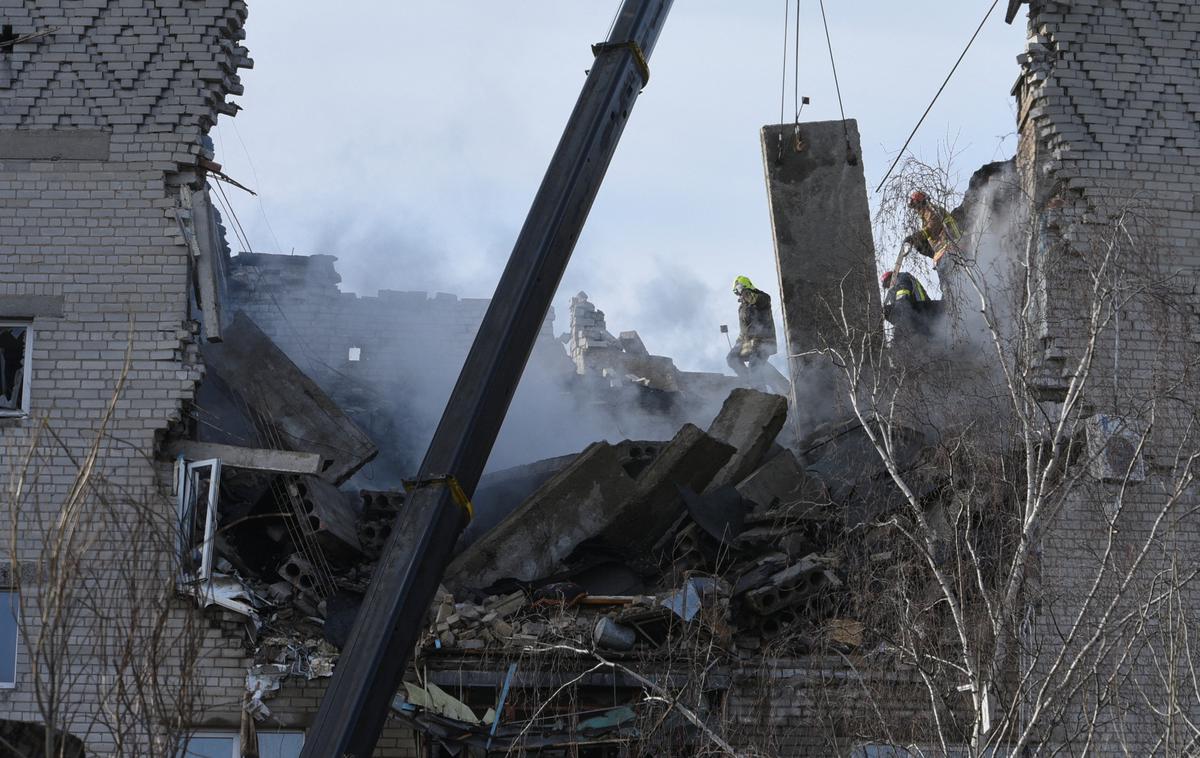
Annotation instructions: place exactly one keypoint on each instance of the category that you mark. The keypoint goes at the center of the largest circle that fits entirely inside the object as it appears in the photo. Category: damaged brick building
(200, 456)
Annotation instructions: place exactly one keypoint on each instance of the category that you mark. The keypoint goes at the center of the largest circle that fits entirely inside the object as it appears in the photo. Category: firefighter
(906, 306)
(756, 336)
(939, 232)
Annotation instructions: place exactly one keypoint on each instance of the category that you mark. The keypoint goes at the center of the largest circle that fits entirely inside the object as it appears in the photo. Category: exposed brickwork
(296, 300)
(410, 349)
(1109, 106)
(101, 121)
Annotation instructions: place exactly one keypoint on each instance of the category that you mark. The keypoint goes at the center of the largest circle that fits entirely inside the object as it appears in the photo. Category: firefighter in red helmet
(939, 232)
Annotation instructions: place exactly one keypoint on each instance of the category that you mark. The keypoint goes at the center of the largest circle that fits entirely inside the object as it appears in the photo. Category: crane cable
(850, 156)
(937, 95)
(797, 101)
(796, 68)
(787, 8)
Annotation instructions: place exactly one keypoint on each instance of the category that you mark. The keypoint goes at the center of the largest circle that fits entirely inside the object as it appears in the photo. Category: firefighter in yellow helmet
(756, 335)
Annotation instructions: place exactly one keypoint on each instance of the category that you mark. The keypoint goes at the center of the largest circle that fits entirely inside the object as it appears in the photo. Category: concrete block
(31, 306)
(749, 421)
(572, 506)
(691, 459)
(780, 481)
(54, 144)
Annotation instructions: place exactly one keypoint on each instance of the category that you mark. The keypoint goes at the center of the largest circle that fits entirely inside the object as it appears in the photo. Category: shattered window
(10, 606)
(225, 745)
(16, 348)
(198, 486)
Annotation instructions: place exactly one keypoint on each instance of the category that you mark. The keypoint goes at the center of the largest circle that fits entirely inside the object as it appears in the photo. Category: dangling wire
(936, 95)
(612, 24)
(796, 69)
(787, 7)
(837, 86)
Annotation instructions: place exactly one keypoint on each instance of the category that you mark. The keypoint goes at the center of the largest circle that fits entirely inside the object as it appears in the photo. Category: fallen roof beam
(283, 461)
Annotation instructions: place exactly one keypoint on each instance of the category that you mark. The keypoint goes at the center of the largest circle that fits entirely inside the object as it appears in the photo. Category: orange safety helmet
(885, 279)
(917, 198)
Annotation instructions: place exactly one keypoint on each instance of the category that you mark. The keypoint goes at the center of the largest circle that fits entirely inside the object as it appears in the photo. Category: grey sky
(408, 138)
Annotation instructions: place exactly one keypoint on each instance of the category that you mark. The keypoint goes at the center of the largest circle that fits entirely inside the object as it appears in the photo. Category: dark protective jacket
(905, 291)
(756, 324)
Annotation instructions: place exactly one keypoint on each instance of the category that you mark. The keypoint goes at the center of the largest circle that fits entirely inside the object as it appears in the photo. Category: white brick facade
(102, 113)
(1110, 153)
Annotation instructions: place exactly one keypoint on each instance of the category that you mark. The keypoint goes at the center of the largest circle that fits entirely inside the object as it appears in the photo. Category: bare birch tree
(1041, 588)
(110, 649)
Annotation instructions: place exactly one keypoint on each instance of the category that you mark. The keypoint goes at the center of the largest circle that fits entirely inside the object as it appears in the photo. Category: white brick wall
(101, 121)
(1110, 130)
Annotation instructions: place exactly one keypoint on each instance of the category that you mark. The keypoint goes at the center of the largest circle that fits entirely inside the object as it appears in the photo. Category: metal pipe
(356, 704)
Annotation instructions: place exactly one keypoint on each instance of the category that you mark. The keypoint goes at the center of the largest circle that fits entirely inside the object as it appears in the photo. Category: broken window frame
(26, 367)
(234, 739)
(187, 486)
(208, 588)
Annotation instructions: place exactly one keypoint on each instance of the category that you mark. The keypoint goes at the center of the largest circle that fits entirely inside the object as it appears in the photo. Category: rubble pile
(719, 542)
(724, 533)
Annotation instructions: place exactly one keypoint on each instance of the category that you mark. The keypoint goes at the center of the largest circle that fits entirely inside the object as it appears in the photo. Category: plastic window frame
(188, 484)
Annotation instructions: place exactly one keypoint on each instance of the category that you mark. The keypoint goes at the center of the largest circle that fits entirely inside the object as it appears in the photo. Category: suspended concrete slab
(824, 253)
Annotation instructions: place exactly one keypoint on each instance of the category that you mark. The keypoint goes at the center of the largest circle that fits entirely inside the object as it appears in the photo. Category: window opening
(199, 484)
(16, 343)
(355, 354)
(219, 744)
(10, 616)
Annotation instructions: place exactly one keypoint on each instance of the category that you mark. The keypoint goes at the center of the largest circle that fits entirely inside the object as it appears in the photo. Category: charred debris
(737, 539)
(727, 530)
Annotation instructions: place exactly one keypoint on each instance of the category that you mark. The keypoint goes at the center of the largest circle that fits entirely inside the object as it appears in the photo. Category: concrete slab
(824, 252)
(689, 460)
(749, 421)
(572, 506)
(332, 515)
(499, 493)
(282, 461)
(287, 409)
(780, 481)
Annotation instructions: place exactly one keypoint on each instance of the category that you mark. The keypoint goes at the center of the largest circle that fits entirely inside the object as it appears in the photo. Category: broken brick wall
(390, 360)
(824, 705)
(1109, 154)
(102, 113)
